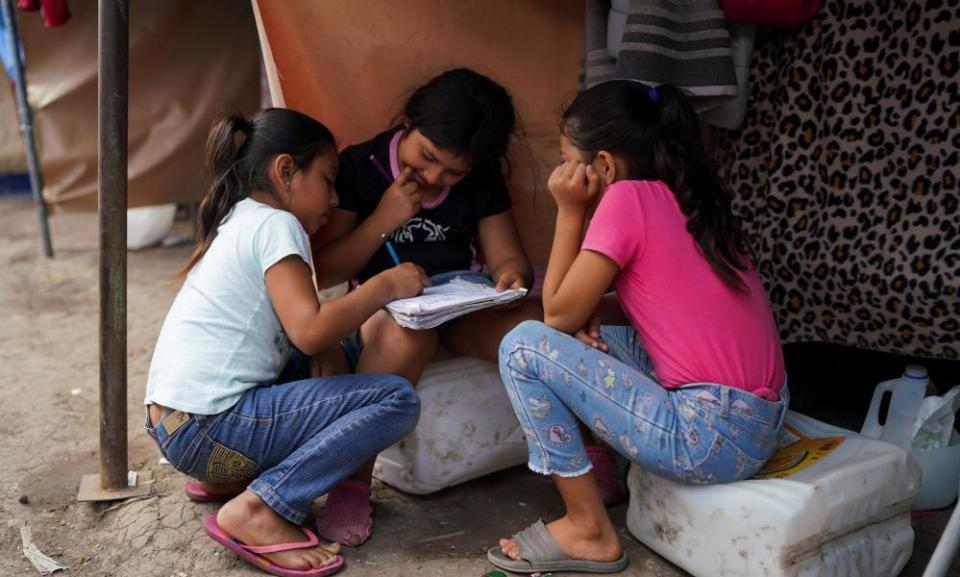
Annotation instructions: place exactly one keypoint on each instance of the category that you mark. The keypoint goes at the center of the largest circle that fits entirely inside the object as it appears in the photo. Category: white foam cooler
(831, 504)
(467, 429)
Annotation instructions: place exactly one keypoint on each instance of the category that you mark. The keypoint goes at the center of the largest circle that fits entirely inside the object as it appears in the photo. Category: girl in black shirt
(434, 185)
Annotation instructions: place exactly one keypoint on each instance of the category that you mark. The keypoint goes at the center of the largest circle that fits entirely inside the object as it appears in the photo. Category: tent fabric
(846, 172)
(12, 156)
(353, 64)
(189, 62)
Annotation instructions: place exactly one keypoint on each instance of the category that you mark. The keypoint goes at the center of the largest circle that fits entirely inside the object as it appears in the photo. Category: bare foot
(592, 544)
(249, 520)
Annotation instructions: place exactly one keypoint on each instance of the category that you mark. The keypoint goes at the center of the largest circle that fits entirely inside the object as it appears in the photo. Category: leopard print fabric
(845, 171)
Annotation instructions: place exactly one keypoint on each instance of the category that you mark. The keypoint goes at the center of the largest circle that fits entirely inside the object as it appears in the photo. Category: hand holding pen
(410, 275)
(389, 245)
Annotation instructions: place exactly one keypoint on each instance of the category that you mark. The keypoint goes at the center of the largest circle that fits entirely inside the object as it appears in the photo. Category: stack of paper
(439, 304)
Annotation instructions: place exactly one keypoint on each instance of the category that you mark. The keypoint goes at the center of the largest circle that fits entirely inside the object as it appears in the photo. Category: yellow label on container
(797, 456)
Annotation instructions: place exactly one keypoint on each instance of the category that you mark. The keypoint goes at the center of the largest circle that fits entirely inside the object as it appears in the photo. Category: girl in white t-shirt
(229, 398)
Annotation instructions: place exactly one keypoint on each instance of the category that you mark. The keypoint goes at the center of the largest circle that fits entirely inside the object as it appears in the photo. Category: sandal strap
(537, 545)
(280, 547)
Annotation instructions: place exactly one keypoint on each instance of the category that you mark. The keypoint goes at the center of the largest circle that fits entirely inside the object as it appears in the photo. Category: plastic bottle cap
(915, 372)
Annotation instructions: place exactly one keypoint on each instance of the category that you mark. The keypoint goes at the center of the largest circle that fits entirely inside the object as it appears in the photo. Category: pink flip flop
(195, 492)
(254, 555)
(608, 477)
(347, 514)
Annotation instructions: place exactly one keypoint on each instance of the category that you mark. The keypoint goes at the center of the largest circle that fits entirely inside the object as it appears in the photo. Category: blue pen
(389, 245)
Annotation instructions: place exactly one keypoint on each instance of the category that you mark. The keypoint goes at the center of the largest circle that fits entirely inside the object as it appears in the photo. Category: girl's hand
(400, 202)
(574, 184)
(510, 279)
(404, 280)
(590, 334)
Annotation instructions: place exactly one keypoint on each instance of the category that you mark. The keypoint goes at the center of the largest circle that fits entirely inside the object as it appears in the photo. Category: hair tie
(245, 126)
(652, 93)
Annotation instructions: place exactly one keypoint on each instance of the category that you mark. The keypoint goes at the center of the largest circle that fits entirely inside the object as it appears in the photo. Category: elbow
(306, 340)
(304, 344)
(561, 322)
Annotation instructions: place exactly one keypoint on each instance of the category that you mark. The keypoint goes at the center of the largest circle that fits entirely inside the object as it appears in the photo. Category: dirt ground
(49, 439)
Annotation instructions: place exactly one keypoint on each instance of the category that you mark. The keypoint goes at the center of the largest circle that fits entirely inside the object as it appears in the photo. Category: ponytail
(658, 134)
(238, 154)
(681, 159)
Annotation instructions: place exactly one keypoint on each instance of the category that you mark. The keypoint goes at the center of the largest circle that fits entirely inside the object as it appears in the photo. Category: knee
(406, 400)
(388, 335)
(525, 332)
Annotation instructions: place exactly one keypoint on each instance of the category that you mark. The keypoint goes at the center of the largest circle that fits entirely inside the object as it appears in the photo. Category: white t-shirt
(222, 336)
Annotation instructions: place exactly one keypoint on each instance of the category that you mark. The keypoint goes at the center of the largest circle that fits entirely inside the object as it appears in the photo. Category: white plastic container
(941, 475)
(941, 466)
(835, 504)
(905, 394)
(148, 225)
(467, 429)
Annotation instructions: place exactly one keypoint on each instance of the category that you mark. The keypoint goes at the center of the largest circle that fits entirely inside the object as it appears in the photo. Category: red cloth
(779, 13)
(55, 12)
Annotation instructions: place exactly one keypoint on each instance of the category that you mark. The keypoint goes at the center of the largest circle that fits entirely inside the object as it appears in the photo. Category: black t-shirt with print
(439, 239)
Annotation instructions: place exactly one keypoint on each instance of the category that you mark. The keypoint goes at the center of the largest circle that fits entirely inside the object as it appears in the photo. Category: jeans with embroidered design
(294, 440)
(699, 433)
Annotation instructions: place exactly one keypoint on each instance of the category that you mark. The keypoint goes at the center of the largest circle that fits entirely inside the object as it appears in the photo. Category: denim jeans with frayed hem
(294, 440)
(699, 433)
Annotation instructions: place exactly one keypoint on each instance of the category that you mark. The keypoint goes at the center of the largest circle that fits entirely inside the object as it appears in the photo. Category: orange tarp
(352, 65)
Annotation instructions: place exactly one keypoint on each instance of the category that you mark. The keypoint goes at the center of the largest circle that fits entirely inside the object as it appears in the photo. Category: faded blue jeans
(294, 440)
(699, 433)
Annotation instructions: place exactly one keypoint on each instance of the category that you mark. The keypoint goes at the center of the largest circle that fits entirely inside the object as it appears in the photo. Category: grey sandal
(539, 551)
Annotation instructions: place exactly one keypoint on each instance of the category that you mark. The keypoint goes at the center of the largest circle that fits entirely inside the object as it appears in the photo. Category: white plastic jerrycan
(905, 395)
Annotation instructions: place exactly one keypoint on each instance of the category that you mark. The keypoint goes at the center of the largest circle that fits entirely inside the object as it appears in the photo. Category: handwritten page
(439, 304)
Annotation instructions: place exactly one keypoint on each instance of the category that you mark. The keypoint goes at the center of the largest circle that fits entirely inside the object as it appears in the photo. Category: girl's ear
(282, 169)
(607, 167)
(281, 172)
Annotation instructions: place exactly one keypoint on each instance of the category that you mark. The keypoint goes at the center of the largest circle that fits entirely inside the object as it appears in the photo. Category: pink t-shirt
(695, 328)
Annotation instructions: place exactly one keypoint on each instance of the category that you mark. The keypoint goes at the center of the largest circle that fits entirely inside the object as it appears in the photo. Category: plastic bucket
(941, 474)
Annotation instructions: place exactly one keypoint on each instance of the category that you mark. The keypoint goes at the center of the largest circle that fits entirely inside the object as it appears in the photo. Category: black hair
(465, 113)
(240, 168)
(658, 134)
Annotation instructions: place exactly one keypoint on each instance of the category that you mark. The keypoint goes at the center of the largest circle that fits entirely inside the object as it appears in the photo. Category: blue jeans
(294, 440)
(699, 433)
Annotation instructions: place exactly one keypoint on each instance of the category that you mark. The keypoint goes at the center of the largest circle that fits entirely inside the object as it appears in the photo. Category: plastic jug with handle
(905, 396)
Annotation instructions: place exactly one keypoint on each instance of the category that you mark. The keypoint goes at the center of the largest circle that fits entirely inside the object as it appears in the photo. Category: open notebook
(438, 304)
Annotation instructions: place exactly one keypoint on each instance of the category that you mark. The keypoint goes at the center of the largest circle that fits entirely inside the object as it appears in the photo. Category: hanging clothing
(662, 42)
(55, 12)
(658, 42)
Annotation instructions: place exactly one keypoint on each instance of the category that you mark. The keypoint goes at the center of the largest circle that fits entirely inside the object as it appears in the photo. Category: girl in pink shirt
(681, 371)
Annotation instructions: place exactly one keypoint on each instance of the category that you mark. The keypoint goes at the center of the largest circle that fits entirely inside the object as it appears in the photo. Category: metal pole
(26, 124)
(947, 548)
(112, 170)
